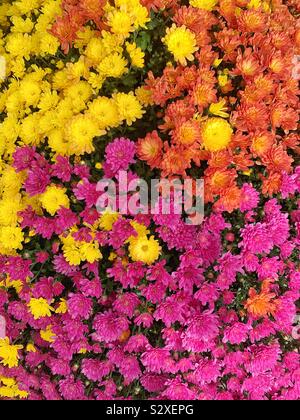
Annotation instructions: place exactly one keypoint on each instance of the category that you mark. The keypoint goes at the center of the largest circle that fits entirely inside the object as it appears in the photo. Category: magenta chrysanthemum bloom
(262, 358)
(130, 369)
(47, 288)
(109, 326)
(177, 390)
(120, 154)
(62, 169)
(201, 332)
(249, 198)
(145, 320)
(87, 191)
(136, 344)
(91, 288)
(95, 370)
(256, 239)
(258, 386)
(263, 330)
(23, 158)
(121, 231)
(126, 304)
(45, 227)
(59, 366)
(207, 371)
(62, 266)
(79, 306)
(65, 219)
(270, 268)
(49, 390)
(72, 389)
(18, 268)
(237, 333)
(170, 311)
(154, 383)
(158, 361)
(37, 182)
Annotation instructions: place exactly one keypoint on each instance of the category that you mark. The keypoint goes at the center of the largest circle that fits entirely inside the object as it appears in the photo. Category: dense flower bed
(147, 306)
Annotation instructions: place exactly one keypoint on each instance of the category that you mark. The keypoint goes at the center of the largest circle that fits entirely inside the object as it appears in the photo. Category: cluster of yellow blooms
(76, 252)
(10, 389)
(11, 202)
(60, 102)
(44, 100)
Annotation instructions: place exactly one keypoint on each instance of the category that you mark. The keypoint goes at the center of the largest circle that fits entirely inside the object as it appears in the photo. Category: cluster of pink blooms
(214, 318)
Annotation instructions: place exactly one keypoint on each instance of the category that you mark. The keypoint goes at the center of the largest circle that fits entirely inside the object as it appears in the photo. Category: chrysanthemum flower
(204, 4)
(9, 353)
(176, 160)
(129, 107)
(150, 149)
(144, 249)
(40, 308)
(187, 132)
(216, 134)
(181, 42)
(54, 198)
(262, 304)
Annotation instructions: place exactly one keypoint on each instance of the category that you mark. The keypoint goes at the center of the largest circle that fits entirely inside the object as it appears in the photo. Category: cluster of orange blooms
(242, 80)
(75, 14)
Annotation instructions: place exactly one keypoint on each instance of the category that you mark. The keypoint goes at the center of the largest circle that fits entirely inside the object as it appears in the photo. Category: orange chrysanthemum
(66, 27)
(251, 117)
(219, 180)
(260, 305)
(252, 21)
(248, 64)
(228, 42)
(177, 111)
(204, 94)
(230, 200)
(271, 184)
(262, 142)
(93, 10)
(176, 161)
(228, 10)
(186, 133)
(284, 117)
(220, 159)
(277, 159)
(150, 149)
(261, 88)
(157, 5)
(194, 19)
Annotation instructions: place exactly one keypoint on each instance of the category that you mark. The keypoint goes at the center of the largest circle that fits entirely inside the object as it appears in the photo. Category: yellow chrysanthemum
(136, 55)
(30, 348)
(120, 23)
(220, 109)
(114, 65)
(144, 250)
(54, 198)
(10, 389)
(81, 131)
(90, 252)
(144, 96)
(9, 354)
(204, 4)
(216, 134)
(108, 219)
(129, 107)
(181, 42)
(40, 308)
(62, 307)
(11, 238)
(48, 335)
